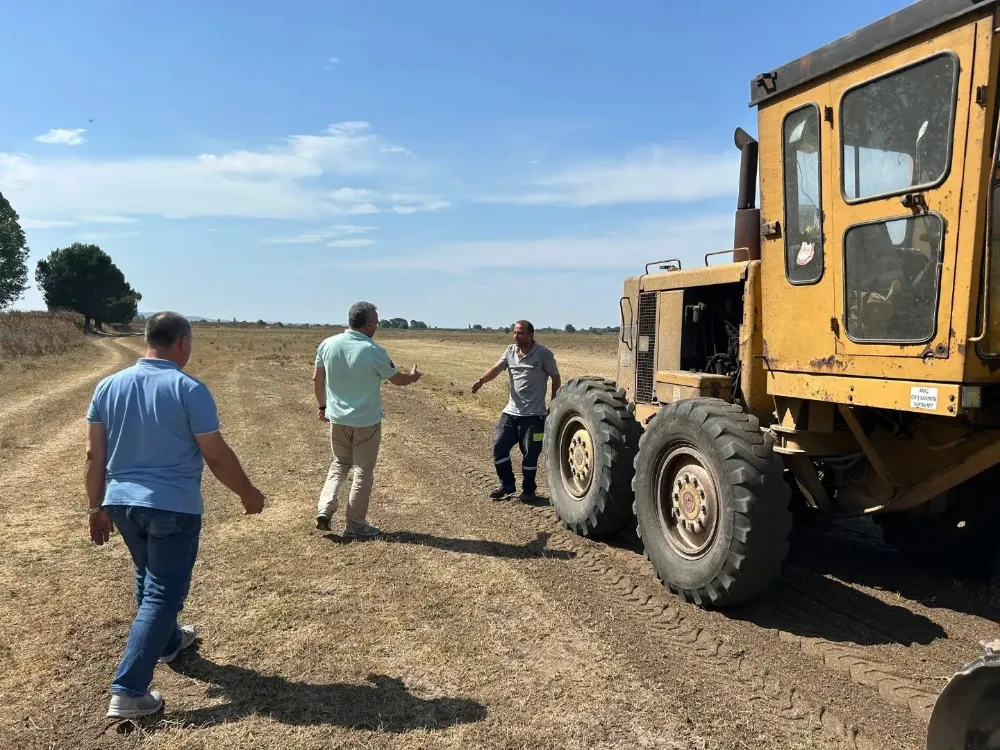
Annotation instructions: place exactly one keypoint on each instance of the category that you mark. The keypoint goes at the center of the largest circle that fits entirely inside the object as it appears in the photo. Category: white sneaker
(188, 636)
(126, 707)
(365, 532)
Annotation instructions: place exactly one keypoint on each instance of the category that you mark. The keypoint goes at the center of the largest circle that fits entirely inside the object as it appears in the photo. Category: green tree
(83, 278)
(13, 256)
(418, 325)
(570, 328)
(124, 309)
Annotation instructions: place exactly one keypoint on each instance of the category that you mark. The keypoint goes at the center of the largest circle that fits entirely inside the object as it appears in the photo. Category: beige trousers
(357, 448)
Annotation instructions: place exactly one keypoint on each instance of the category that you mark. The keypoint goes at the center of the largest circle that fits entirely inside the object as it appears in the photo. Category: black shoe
(528, 497)
(322, 523)
(502, 492)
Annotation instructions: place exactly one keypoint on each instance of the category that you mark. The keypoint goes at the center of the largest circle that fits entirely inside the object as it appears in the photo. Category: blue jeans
(164, 546)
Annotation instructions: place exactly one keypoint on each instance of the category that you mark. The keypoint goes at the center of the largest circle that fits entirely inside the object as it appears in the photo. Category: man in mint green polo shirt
(350, 370)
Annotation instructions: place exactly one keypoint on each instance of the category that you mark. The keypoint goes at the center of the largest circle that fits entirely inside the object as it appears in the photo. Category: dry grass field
(472, 624)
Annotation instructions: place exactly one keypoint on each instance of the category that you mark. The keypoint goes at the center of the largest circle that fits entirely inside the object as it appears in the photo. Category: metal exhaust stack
(747, 230)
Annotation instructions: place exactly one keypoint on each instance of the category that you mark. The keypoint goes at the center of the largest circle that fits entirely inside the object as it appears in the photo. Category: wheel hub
(578, 460)
(688, 502)
(689, 507)
(581, 455)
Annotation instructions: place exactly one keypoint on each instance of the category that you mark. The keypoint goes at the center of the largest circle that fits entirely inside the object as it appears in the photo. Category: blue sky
(456, 162)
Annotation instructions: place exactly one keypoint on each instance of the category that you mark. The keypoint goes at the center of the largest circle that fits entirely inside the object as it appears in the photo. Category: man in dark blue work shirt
(150, 430)
(529, 366)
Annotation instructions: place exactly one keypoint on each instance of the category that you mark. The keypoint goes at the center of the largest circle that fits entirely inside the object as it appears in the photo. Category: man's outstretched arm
(406, 378)
(487, 377)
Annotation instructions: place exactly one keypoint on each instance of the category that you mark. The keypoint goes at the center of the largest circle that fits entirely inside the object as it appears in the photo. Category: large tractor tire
(711, 502)
(590, 443)
(957, 531)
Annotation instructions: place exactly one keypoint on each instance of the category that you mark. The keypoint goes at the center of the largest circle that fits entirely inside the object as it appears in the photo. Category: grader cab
(845, 361)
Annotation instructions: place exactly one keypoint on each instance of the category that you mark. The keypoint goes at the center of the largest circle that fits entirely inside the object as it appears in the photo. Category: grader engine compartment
(685, 332)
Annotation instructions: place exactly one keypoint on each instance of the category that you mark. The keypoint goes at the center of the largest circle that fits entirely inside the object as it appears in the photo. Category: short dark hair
(361, 313)
(164, 329)
(525, 324)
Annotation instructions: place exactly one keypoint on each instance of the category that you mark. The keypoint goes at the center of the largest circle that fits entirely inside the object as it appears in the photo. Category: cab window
(801, 175)
(897, 130)
(892, 273)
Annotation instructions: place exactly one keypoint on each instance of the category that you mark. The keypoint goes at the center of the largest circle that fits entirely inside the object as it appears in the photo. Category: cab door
(796, 182)
(897, 154)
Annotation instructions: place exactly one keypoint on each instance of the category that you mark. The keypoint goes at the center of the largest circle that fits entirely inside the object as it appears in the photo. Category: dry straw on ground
(36, 334)
(472, 624)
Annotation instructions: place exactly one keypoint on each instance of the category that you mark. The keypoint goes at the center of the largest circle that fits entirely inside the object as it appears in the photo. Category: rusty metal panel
(723, 273)
(911, 21)
(920, 397)
(753, 375)
(681, 384)
(668, 330)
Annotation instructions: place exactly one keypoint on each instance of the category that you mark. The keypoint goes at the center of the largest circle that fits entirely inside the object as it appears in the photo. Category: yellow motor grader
(843, 360)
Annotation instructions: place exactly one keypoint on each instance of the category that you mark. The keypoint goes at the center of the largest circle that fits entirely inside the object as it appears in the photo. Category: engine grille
(645, 361)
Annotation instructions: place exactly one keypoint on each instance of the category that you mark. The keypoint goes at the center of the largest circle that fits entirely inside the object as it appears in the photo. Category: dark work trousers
(526, 433)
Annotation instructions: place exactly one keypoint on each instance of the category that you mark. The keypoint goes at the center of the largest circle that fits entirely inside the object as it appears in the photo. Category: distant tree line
(568, 328)
(403, 324)
(81, 278)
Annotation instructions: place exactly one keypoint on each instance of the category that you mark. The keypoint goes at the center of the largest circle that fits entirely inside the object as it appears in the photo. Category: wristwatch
(322, 408)
(92, 511)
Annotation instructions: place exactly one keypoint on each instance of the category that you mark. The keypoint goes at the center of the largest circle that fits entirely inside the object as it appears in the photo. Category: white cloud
(688, 238)
(654, 174)
(404, 203)
(44, 224)
(102, 236)
(352, 242)
(63, 137)
(330, 62)
(106, 219)
(322, 235)
(289, 181)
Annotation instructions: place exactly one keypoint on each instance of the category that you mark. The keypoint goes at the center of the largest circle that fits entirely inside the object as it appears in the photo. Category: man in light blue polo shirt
(347, 380)
(150, 430)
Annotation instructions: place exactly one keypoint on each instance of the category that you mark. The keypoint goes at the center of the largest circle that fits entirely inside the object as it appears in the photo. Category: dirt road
(472, 624)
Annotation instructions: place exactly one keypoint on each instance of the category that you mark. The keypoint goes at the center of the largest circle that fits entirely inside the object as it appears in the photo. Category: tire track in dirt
(680, 628)
(934, 658)
(47, 443)
(70, 384)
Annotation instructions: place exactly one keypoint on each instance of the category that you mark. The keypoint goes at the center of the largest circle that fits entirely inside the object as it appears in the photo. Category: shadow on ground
(383, 705)
(537, 548)
(853, 551)
(805, 603)
(808, 599)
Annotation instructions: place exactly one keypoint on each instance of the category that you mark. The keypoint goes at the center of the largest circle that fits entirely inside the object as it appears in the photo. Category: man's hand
(322, 416)
(253, 501)
(100, 527)
(406, 378)
(486, 378)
